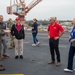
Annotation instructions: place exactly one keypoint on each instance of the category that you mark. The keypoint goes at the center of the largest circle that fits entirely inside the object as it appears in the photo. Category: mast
(20, 8)
(10, 2)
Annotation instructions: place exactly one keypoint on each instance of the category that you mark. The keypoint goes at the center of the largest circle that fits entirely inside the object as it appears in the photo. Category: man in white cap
(55, 31)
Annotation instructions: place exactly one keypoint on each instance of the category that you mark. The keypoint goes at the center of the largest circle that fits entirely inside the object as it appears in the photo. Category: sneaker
(52, 62)
(58, 64)
(6, 56)
(2, 68)
(68, 70)
(37, 43)
(33, 44)
(16, 57)
(21, 56)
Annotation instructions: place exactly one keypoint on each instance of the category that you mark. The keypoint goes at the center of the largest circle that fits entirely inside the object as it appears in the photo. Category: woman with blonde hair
(35, 32)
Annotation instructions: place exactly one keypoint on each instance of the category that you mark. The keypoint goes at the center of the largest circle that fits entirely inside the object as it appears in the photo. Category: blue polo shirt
(72, 34)
(35, 25)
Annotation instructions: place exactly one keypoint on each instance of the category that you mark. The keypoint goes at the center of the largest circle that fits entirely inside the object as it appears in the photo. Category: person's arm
(61, 29)
(32, 27)
(61, 33)
(73, 40)
(23, 32)
(48, 32)
(7, 25)
(5, 29)
(12, 30)
(3, 26)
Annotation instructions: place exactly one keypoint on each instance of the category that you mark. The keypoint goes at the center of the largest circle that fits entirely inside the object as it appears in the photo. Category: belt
(52, 37)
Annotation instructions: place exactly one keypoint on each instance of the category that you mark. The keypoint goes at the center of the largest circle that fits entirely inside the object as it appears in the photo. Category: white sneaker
(68, 70)
(33, 44)
(37, 43)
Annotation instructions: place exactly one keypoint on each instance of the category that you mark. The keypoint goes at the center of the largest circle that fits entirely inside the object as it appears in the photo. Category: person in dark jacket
(17, 32)
(35, 32)
(71, 50)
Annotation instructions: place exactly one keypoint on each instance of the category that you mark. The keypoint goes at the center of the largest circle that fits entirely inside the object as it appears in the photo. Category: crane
(19, 8)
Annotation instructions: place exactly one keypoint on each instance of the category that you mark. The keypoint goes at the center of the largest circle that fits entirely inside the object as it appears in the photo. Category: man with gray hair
(55, 31)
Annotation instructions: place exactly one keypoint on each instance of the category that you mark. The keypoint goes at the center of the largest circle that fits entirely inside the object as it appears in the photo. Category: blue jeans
(70, 57)
(35, 37)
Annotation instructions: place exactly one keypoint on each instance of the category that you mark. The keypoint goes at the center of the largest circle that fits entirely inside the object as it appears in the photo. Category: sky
(62, 9)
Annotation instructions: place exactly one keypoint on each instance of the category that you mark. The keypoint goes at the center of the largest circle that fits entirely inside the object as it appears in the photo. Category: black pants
(54, 49)
(70, 57)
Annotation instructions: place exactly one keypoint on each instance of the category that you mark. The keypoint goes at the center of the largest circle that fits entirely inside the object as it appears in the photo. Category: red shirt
(18, 27)
(54, 30)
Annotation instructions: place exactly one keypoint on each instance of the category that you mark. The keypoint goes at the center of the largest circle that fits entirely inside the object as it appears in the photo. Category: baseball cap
(17, 19)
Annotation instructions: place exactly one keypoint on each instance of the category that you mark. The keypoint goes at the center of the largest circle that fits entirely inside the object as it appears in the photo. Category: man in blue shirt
(71, 50)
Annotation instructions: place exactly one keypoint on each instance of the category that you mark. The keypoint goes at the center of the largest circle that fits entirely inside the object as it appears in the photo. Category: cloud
(63, 9)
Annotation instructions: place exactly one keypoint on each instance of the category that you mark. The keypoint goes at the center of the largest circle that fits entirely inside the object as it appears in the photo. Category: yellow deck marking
(11, 74)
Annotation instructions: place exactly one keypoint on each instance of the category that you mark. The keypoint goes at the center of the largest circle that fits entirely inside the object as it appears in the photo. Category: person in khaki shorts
(17, 32)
